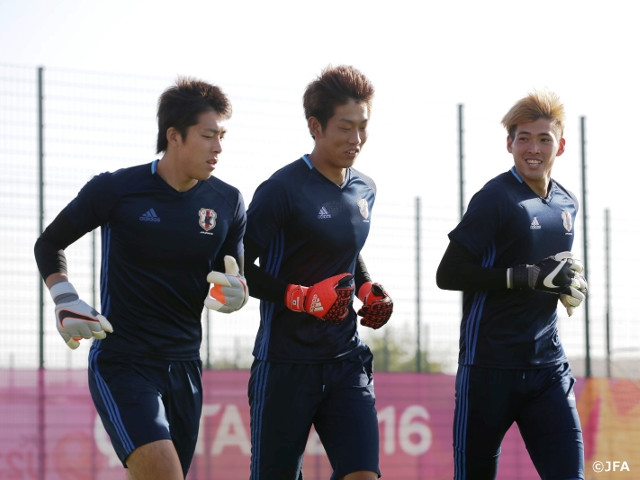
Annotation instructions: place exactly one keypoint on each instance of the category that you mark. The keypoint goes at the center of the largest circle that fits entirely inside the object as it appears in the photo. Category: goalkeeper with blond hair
(510, 255)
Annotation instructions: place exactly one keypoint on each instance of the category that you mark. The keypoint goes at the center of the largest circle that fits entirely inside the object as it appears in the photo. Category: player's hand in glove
(328, 300)
(578, 293)
(228, 291)
(553, 274)
(377, 305)
(74, 318)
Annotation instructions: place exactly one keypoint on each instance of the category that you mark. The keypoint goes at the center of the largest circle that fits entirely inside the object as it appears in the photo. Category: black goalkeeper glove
(553, 274)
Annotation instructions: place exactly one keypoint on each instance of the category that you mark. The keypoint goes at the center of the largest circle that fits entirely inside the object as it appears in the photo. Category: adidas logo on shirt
(534, 224)
(323, 213)
(149, 216)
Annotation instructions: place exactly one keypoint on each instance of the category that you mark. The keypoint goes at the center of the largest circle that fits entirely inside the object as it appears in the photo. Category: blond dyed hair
(538, 104)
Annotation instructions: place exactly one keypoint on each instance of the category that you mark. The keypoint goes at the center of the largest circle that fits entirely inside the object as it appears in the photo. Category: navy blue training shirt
(158, 245)
(507, 224)
(309, 229)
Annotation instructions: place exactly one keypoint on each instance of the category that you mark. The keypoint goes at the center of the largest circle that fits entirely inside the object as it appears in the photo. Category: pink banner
(50, 429)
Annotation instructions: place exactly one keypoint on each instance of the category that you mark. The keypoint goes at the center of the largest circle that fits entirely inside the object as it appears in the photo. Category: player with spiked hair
(171, 240)
(307, 224)
(510, 255)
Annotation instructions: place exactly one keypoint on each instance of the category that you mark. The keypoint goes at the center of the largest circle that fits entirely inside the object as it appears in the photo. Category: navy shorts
(141, 400)
(286, 399)
(540, 401)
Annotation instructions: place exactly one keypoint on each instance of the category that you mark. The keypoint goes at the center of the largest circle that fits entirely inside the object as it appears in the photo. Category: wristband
(63, 292)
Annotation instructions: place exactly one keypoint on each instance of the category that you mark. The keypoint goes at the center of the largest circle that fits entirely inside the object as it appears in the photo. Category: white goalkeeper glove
(578, 292)
(228, 291)
(74, 318)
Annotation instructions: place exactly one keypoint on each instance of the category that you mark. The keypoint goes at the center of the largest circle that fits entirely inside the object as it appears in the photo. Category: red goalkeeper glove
(328, 300)
(377, 305)
(228, 291)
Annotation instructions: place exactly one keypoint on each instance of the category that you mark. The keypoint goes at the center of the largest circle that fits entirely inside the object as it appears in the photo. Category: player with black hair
(307, 224)
(171, 240)
(510, 255)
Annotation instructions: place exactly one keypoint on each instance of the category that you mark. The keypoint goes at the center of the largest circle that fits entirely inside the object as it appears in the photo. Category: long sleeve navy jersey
(158, 245)
(307, 229)
(507, 224)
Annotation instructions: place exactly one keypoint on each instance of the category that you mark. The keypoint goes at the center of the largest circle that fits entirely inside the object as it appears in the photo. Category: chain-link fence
(60, 127)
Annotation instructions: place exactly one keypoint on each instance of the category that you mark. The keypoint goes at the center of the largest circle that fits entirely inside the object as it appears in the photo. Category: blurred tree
(394, 353)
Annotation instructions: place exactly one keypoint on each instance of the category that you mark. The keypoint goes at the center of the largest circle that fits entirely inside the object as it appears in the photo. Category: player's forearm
(262, 285)
(361, 275)
(49, 259)
(49, 247)
(469, 278)
(458, 270)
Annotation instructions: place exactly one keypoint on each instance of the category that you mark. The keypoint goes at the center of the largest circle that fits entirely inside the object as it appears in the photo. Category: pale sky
(424, 58)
